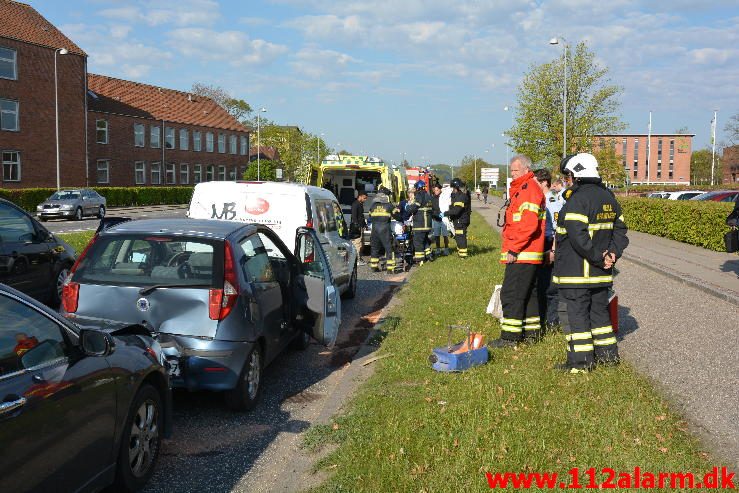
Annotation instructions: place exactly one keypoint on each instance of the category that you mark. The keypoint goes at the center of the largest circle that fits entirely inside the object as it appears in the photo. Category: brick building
(669, 161)
(28, 45)
(146, 135)
(730, 163)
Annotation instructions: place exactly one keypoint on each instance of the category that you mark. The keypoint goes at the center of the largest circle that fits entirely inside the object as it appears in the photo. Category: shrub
(29, 198)
(697, 222)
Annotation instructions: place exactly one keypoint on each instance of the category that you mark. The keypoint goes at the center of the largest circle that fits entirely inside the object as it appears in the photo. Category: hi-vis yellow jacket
(589, 224)
(523, 233)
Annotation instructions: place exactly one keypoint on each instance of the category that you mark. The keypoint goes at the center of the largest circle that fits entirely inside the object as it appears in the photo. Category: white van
(284, 207)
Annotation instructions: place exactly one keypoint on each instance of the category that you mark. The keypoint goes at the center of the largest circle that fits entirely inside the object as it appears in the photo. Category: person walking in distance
(522, 253)
(459, 212)
(590, 238)
(485, 191)
(420, 210)
(438, 227)
(358, 224)
(381, 214)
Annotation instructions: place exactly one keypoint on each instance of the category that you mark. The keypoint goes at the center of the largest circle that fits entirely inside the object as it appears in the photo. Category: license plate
(174, 368)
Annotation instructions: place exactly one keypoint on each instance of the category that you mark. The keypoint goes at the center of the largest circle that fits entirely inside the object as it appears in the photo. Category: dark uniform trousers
(590, 337)
(421, 244)
(380, 240)
(460, 236)
(520, 303)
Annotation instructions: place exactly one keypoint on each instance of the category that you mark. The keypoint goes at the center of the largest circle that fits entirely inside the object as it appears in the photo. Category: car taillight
(70, 296)
(221, 301)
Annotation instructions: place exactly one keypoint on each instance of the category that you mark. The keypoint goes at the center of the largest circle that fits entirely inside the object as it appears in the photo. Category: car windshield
(150, 260)
(64, 195)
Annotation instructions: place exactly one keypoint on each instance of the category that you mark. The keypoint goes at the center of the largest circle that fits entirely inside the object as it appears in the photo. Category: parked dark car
(718, 196)
(224, 297)
(72, 204)
(80, 409)
(32, 260)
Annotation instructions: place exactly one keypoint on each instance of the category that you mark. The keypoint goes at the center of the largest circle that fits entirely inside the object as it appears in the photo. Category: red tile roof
(265, 152)
(124, 97)
(23, 23)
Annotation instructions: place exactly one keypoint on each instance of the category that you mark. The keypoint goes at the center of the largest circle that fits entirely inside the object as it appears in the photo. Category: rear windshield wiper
(151, 289)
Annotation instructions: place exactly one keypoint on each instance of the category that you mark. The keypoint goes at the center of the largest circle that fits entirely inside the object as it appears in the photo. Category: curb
(701, 285)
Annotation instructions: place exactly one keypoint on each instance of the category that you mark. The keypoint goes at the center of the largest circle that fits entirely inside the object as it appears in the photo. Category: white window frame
(210, 171)
(169, 132)
(184, 139)
(221, 143)
(221, 172)
(197, 144)
(17, 164)
(139, 167)
(244, 145)
(209, 137)
(16, 113)
(170, 170)
(137, 126)
(155, 136)
(13, 60)
(106, 168)
(232, 144)
(98, 129)
(156, 170)
(197, 173)
(184, 174)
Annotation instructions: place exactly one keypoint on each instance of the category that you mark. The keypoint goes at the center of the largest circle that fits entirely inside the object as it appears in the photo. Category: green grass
(412, 429)
(78, 241)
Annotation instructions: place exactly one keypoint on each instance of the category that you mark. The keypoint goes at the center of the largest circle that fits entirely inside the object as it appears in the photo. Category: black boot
(567, 368)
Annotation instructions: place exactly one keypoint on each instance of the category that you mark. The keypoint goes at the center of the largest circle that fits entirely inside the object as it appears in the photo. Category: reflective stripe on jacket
(525, 219)
(460, 208)
(420, 209)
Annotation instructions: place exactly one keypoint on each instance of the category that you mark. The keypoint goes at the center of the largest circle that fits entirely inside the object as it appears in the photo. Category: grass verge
(412, 429)
(78, 241)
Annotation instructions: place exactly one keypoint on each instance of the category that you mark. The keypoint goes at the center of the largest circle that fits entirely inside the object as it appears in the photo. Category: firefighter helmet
(420, 184)
(456, 183)
(581, 165)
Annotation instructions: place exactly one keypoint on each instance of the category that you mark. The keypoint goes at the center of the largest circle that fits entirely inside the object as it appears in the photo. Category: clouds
(233, 47)
(158, 13)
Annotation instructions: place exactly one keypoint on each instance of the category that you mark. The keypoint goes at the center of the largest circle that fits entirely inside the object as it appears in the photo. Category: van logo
(142, 304)
(256, 206)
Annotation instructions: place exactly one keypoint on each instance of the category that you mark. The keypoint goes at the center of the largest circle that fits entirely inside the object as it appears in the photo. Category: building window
(138, 134)
(156, 173)
(221, 173)
(244, 145)
(636, 156)
(103, 171)
(232, 144)
(209, 173)
(139, 172)
(623, 151)
(232, 173)
(222, 143)
(184, 174)
(101, 131)
(196, 140)
(11, 166)
(155, 136)
(169, 173)
(672, 150)
(8, 64)
(184, 139)
(8, 115)
(197, 173)
(659, 151)
(209, 142)
(169, 138)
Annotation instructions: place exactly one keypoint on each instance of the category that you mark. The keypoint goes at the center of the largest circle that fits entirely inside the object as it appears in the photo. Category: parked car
(32, 260)
(81, 409)
(657, 195)
(224, 297)
(284, 207)
(72, 204)
(684, 194)
(718, 196)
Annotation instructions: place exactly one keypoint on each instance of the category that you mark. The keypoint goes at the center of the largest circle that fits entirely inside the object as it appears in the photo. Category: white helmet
(582, 165)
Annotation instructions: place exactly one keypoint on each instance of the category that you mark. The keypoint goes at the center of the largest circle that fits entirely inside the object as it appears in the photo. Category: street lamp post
(259, 145)
(555, 41)
(60, 51)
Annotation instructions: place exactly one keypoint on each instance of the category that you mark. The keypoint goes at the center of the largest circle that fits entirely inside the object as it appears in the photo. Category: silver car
(224, 297)
(72, 204)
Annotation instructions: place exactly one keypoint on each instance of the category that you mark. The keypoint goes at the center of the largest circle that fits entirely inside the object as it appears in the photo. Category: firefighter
(590, 237)
(380, 214)
(523, 253)
(420, 210)
(459, 213)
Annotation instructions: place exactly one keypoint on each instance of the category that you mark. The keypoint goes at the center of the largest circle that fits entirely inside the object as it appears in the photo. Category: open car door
(322, 295)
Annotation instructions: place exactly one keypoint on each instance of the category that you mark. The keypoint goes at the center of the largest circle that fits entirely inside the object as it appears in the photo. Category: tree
(700, 167)
(591, 107)
(266, 170)
(610, 166)
(238, 108)
(466, 171)
(732, 129)
(682, 131)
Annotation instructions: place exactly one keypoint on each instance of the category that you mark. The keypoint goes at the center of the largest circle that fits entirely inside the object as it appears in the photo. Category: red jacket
(525, 220)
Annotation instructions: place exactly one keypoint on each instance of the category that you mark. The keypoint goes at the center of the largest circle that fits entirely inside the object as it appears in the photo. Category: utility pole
(713, 142)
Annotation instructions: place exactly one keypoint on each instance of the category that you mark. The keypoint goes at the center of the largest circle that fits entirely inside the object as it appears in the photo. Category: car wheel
(101, 212)
(302, 341)
(78, 214)
(141, 440)
(56, 288)
(245, 395)
(351, 291)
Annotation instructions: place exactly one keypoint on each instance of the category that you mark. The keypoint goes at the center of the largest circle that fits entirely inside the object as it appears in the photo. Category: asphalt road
(91, 223)
(216, 450)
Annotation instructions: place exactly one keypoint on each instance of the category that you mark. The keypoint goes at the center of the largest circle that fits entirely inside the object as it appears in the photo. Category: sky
(425, 80)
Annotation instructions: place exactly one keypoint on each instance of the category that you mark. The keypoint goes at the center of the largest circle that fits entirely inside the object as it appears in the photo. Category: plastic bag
(495, 307)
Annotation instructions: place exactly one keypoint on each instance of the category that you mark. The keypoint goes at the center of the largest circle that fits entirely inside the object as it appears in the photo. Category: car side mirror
(96, 343)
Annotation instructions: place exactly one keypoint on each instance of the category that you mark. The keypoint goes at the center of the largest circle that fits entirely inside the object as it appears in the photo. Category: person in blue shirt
(547, 291)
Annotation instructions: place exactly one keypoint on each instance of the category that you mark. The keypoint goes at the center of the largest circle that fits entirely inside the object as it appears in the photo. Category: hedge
(700, 223)
(29, 198)
(676, 188)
